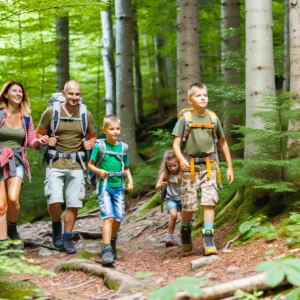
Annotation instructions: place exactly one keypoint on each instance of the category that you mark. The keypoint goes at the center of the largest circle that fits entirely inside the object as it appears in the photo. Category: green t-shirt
(11, 137)
(199, 142)
(69, 135)
(110, 162)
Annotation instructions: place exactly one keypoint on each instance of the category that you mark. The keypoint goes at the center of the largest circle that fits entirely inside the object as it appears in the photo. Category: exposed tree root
(229, 243)
(221, 291)
(114, 280)
(32, 244)
(88, 234)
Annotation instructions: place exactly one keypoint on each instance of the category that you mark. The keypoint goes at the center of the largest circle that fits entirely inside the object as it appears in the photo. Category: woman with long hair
(16, 132)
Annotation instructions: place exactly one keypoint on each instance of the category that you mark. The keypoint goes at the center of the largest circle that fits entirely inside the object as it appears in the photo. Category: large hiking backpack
(95, 179)
(213, 157)
(51, 154)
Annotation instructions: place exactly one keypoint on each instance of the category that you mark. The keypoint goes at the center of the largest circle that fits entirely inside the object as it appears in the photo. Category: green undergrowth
(88, 255)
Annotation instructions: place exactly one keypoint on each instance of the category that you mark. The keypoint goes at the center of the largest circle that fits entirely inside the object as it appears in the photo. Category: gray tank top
(173, 190)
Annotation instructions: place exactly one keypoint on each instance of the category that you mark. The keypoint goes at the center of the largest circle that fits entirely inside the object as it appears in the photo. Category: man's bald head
(71, 84)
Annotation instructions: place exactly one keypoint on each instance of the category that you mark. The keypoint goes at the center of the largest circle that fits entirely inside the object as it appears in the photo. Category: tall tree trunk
(294, 144)
(286, 57)
(260, 75)
(230, 15)
(188, 56)
(62, 58)
(137, 72)
(124, 76)
(160, 67)
(20, 44)
(108, 59)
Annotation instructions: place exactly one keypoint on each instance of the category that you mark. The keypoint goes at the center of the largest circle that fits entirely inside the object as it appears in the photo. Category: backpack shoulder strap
(1, 114)
(187, 113)
(101, 153)
(55, 118)
(83, 118)
(124, 149)
(213, 118)
(27, 122)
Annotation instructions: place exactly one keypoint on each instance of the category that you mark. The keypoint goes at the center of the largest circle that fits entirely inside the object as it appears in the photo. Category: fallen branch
(136, 235)
(247, 284)
(79, 285)
(161, 226)
(145, 217)
(87, 214)
(229, 243)
(88, 234)
(29, 243)
(112, 279)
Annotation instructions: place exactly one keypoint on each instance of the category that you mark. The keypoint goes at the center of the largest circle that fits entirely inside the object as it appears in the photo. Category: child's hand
(102, 174)
(184, 165)
(163, 185)
(130, 187)
(230, 175)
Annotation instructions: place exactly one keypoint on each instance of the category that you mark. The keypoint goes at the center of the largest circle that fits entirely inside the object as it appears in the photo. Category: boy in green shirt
(197, 159)
(114, 165)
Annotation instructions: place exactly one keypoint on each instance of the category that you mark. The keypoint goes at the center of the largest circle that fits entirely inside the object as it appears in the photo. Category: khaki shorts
(191, 188)
(71, 180)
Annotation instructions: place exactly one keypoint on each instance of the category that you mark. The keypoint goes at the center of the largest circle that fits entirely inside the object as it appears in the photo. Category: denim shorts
(173, 204)
(111, 203)
(71, 180)
(19, 171)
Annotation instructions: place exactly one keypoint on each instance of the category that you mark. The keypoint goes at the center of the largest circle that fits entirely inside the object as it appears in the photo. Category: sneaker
(170, 241)
(113, 248)
(208, 240)
(13, 235)
(57, 239)
(68, 245)
(107, 256)
(186, 239)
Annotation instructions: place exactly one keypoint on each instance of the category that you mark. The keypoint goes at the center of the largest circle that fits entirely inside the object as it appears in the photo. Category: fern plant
(267, 167)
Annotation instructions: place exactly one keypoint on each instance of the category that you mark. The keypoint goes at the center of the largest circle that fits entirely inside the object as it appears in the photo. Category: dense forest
(137, 59)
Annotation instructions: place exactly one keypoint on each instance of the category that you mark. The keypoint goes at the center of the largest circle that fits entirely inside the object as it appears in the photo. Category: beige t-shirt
(69, 135)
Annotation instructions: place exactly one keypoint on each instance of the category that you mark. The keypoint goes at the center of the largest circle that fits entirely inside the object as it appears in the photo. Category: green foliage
(292, 295)
(153, 202)
(246, 296)
(168, 292)
(267, 168)
(87, 255)
(253, 226)
(144, 177)
(277, 270)
(14, 265)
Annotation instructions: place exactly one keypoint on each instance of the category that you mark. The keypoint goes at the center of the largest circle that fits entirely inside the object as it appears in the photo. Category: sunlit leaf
(167, 292)
(274, 277)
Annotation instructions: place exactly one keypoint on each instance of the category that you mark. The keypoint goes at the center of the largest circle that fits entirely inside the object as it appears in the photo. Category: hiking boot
(57, 239)
(68, 244)
(113, 248)
(13, 235)
(208, 240)
(107, 256)
(186, 239)
(170, 241)
(4, 246)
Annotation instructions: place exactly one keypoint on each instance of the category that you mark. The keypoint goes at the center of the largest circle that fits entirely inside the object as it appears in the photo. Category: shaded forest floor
(141, 249)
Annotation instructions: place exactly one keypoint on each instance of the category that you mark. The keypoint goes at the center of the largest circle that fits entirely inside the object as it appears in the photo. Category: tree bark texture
(62, 57)
(108, 60)
(124, 76)
(294, 144)
(137, 72)
(188, 56)
(230, 15)
(286, 58)
(260, 75)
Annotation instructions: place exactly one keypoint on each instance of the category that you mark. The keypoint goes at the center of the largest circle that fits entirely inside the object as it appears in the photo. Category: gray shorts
(73, 182)
(19, 171)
